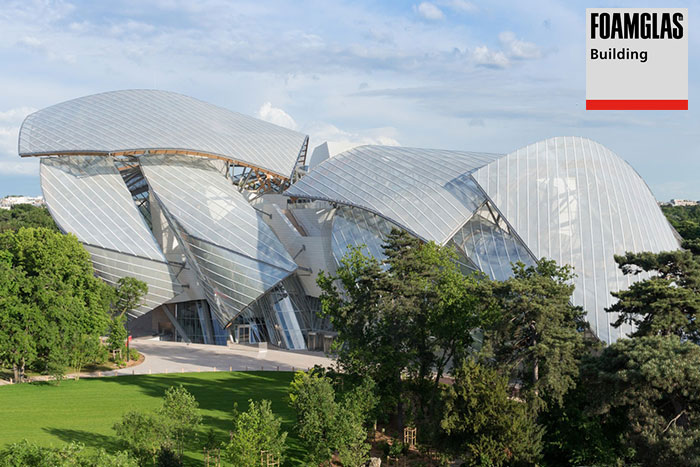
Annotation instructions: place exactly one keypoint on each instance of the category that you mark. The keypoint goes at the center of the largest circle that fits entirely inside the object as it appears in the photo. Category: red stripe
(655, 104)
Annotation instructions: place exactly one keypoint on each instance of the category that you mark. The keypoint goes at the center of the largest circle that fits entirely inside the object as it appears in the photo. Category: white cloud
(30, 42)
(277, 116)
(490, 58)
(322, 131)
(15, 116)
(429, 11)
(10, 163)
(460, 6)
(515, 48)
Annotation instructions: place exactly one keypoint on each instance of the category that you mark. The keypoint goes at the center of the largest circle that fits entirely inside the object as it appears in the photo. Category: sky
(487, 76)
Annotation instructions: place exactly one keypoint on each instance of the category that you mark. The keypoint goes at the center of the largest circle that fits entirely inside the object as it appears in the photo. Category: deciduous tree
(408, 316)
(255, 430)
(51, 292)
(180, 411)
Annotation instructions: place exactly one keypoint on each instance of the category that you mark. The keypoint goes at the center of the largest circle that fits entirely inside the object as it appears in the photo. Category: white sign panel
(637, 59)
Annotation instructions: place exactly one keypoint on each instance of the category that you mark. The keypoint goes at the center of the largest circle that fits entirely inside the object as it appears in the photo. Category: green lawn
(86, 410)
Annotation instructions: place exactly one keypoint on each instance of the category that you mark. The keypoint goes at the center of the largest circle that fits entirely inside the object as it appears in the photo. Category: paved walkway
(177, 357)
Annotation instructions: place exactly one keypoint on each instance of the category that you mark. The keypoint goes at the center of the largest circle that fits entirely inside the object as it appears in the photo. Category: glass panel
(150, 119)
(573, 200)
(427, 192)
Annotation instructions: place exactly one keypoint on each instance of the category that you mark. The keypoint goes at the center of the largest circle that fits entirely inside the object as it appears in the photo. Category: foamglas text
(636, 25)
(614, 53)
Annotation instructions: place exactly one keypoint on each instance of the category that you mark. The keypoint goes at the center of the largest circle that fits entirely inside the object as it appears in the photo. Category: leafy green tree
(539, 337)
(83, 350)
(685, 219)
(51, 293)
(328, 421)
(117, 333)
(168, 458)
(143, 434)
(25, 215)
(355, 409)
(180, 411)
(408, 316)
(574, 434)
(647, 387)
(482, 424)
(128, 296)
(19, 321)
(26, 453)
(667, 302)
(354, 450)
(313, 398)
(255, 430)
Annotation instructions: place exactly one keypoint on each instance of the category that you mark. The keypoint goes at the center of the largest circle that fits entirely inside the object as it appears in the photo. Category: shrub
(255, 430)
(180, 413)
(325, 424)
(26, 453)
(143, 434)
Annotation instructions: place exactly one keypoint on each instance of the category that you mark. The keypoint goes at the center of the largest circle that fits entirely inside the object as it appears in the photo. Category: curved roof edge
(142, 120)
(428, 192)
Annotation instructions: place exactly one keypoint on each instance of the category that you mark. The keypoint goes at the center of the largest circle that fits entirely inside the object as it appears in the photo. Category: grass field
(86, 410)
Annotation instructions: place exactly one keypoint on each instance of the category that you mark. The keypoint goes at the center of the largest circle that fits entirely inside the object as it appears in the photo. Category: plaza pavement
(177, 357)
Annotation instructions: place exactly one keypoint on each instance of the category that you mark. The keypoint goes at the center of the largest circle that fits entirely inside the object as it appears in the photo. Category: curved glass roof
(428, 192)
(237, 256)
(87, 197)
(140, 120)
(573, 200)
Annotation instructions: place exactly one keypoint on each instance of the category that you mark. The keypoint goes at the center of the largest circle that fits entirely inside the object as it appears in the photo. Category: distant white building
(328, 149)
(683, 202)
(8, 201)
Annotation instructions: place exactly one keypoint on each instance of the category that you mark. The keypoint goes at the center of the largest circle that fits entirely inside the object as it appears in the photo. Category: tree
(129, 294)
(26, 215)
(84, 349)
(353, 451)
(328, 421)
(648, 388)
(255, 430)
(117, 333)
(19, 321)
(355, 409)
(313, 398)
(143, 434)
(667, 302)
(180, 411)
(51, 293)
(538, 337)
(482, 424)
(685, 219)
(408, 316)
(26, 453)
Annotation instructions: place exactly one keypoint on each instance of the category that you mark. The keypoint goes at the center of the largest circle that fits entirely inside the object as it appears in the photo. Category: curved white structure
(236, 255)
(136, 121)
(428, 192)
(573, 200)
(569, 199)
(88, 198)
(187, 196)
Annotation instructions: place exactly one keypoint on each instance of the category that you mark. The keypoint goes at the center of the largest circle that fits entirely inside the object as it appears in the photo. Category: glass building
(220, 215)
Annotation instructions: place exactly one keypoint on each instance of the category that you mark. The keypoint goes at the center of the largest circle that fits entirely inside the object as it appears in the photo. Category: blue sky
(482, 76)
